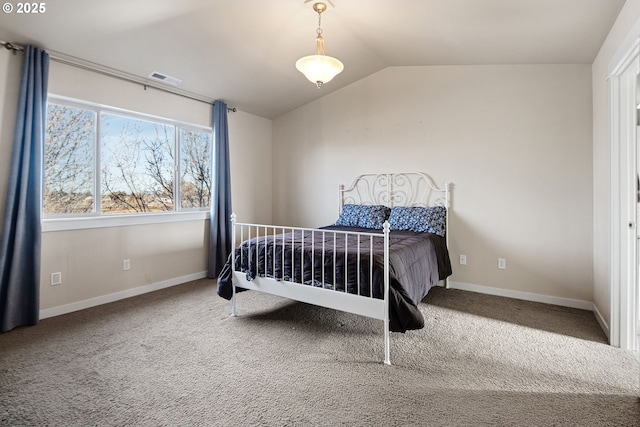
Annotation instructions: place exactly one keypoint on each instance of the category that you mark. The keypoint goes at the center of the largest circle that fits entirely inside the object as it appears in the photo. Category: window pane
(69, 160)
(137, 165)
(101, 161)
(195, 171)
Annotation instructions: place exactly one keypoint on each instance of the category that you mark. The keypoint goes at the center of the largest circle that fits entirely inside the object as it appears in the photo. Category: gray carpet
(175, 357)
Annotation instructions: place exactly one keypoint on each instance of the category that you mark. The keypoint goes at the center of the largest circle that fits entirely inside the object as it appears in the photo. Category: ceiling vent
(160, 77)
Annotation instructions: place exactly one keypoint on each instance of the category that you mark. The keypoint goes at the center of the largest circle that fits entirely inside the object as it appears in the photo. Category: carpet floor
(175, 357)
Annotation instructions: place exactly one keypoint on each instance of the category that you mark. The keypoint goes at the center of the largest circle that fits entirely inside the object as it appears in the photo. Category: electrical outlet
(56, 279)
(126, 264)
(502, 263)
(463, 260)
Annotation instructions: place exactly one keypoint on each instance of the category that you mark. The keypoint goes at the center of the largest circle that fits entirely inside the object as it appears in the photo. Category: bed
(379, 259)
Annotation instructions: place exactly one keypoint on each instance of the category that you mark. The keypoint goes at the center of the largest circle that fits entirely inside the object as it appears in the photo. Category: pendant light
(319, 68)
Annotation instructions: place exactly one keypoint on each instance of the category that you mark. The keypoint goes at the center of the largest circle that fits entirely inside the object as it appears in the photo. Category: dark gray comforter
(417, 261)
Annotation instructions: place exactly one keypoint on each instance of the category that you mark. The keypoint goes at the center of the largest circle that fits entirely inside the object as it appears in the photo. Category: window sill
(63, 224)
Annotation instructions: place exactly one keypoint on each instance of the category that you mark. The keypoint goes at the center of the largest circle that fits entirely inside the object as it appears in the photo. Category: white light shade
(319, 69)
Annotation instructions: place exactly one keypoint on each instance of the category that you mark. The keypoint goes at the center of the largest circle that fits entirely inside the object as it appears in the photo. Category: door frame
(623, 87)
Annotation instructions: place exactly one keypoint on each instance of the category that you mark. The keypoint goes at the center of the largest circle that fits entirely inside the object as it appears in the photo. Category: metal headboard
(394, 189)
(398, 189)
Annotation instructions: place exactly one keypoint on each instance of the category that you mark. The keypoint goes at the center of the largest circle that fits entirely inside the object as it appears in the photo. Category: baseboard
(104, 299)
(603, 323)
(526, 296)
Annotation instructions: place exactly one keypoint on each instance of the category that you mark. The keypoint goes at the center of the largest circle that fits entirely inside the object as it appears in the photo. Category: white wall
(91, 260)
(515, 141)
(625, 29)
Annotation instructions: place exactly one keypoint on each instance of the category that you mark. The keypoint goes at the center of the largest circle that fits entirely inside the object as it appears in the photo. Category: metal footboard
(313, 277)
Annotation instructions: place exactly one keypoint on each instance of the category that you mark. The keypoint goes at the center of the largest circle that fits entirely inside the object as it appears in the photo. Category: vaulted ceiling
(244, 51)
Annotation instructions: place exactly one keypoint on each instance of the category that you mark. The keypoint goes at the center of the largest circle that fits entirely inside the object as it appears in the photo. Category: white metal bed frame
(391, 189)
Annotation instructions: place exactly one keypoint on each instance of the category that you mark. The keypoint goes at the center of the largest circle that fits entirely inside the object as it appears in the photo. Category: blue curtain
(20, 238)
(220, 226)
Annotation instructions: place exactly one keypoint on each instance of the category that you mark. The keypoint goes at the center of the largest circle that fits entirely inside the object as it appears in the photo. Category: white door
(634, 312)
(624, 93)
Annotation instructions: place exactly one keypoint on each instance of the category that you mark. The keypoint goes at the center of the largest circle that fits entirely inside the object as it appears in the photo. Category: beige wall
(527, 187)
(624, 30)
(9, 75)
(91, 260)
(515, 141)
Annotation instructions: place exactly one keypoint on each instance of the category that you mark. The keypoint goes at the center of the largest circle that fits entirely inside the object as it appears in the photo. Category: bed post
(234, 311)
(447, 203)
(387, 359)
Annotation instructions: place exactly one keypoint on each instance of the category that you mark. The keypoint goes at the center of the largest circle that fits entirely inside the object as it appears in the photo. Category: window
(195, 176)
(137, 165)
(69, 158)
(101, 161)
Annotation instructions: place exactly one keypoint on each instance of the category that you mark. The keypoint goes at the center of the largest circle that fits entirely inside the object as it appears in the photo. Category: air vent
(160, 77)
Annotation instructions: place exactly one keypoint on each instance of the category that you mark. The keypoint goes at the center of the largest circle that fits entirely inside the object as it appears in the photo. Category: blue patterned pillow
(419, 219)
(363, 216)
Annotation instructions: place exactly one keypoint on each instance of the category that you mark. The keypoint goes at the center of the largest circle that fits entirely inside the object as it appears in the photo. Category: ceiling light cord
(319, 30)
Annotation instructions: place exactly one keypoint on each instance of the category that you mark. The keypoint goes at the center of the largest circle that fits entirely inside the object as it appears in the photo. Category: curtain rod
(111, 72)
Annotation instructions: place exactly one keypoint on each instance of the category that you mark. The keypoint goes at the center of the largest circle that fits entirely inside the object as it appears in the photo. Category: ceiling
(244, 51)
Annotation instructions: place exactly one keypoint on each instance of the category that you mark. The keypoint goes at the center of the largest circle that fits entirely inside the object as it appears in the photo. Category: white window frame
(62, 222)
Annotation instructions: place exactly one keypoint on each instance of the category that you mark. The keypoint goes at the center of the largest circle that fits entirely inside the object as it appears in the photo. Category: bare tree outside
(137, 165)
(69, 163)
(195, 172)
